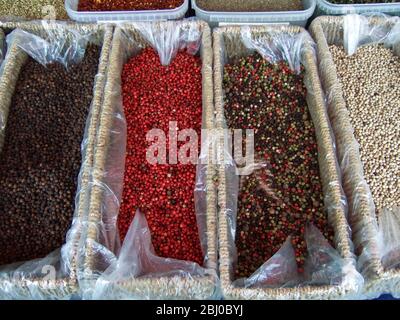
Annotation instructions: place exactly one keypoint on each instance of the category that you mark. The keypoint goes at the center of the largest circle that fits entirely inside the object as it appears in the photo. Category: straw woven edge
(69, 285)
(323, 134)
(161, 287)
(377, 279)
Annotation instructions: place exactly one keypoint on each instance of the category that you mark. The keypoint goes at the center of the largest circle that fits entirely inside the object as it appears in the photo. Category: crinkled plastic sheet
(2, 40)
(54, 276)
(131, 270)
(330, 273)
(376, 239)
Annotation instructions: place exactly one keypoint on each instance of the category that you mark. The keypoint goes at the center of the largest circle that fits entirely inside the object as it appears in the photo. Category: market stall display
(241, 157)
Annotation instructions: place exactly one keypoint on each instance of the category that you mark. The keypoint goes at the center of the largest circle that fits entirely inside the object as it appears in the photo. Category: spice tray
(363, 220)
(228, 46)
(300, 18)
(140, 15)
(103, 207)
(28, 281)
(325, 7)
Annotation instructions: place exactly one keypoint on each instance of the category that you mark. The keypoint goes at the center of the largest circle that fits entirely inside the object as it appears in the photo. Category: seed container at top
(215, 18)
(134, 15)
(325, 7)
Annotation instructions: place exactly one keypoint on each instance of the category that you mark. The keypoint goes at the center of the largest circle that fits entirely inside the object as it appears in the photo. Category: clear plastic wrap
(131, 270)
(375, 236)
(137, 259)
(389, 238)
(358, 31)
(57, 47)
(54, 276)
(280, 48)
(329, 273)
(2, 46)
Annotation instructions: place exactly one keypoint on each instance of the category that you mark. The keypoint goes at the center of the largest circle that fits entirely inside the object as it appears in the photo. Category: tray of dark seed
(44, 111)
(295, 181)
(40, 157)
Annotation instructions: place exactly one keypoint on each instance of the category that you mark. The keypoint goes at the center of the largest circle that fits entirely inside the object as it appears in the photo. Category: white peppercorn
(371, 88)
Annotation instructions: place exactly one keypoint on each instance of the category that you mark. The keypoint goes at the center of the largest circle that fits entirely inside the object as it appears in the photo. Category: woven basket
(16, 58)
(228, 40)
(160, 287)
(327, 31)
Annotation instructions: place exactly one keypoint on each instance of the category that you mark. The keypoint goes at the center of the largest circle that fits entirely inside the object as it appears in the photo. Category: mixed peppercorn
(126, 5)
(153, 96)
(41, 156)
(279, 198)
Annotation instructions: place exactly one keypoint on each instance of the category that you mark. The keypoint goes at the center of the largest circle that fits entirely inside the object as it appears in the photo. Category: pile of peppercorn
(279, 199)
(41, 156)
(154, 96)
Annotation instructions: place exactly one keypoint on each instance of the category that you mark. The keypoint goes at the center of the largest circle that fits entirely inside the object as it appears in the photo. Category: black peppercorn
(41, 156)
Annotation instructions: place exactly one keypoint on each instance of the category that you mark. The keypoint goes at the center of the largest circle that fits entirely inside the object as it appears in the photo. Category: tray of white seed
(360, 71)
